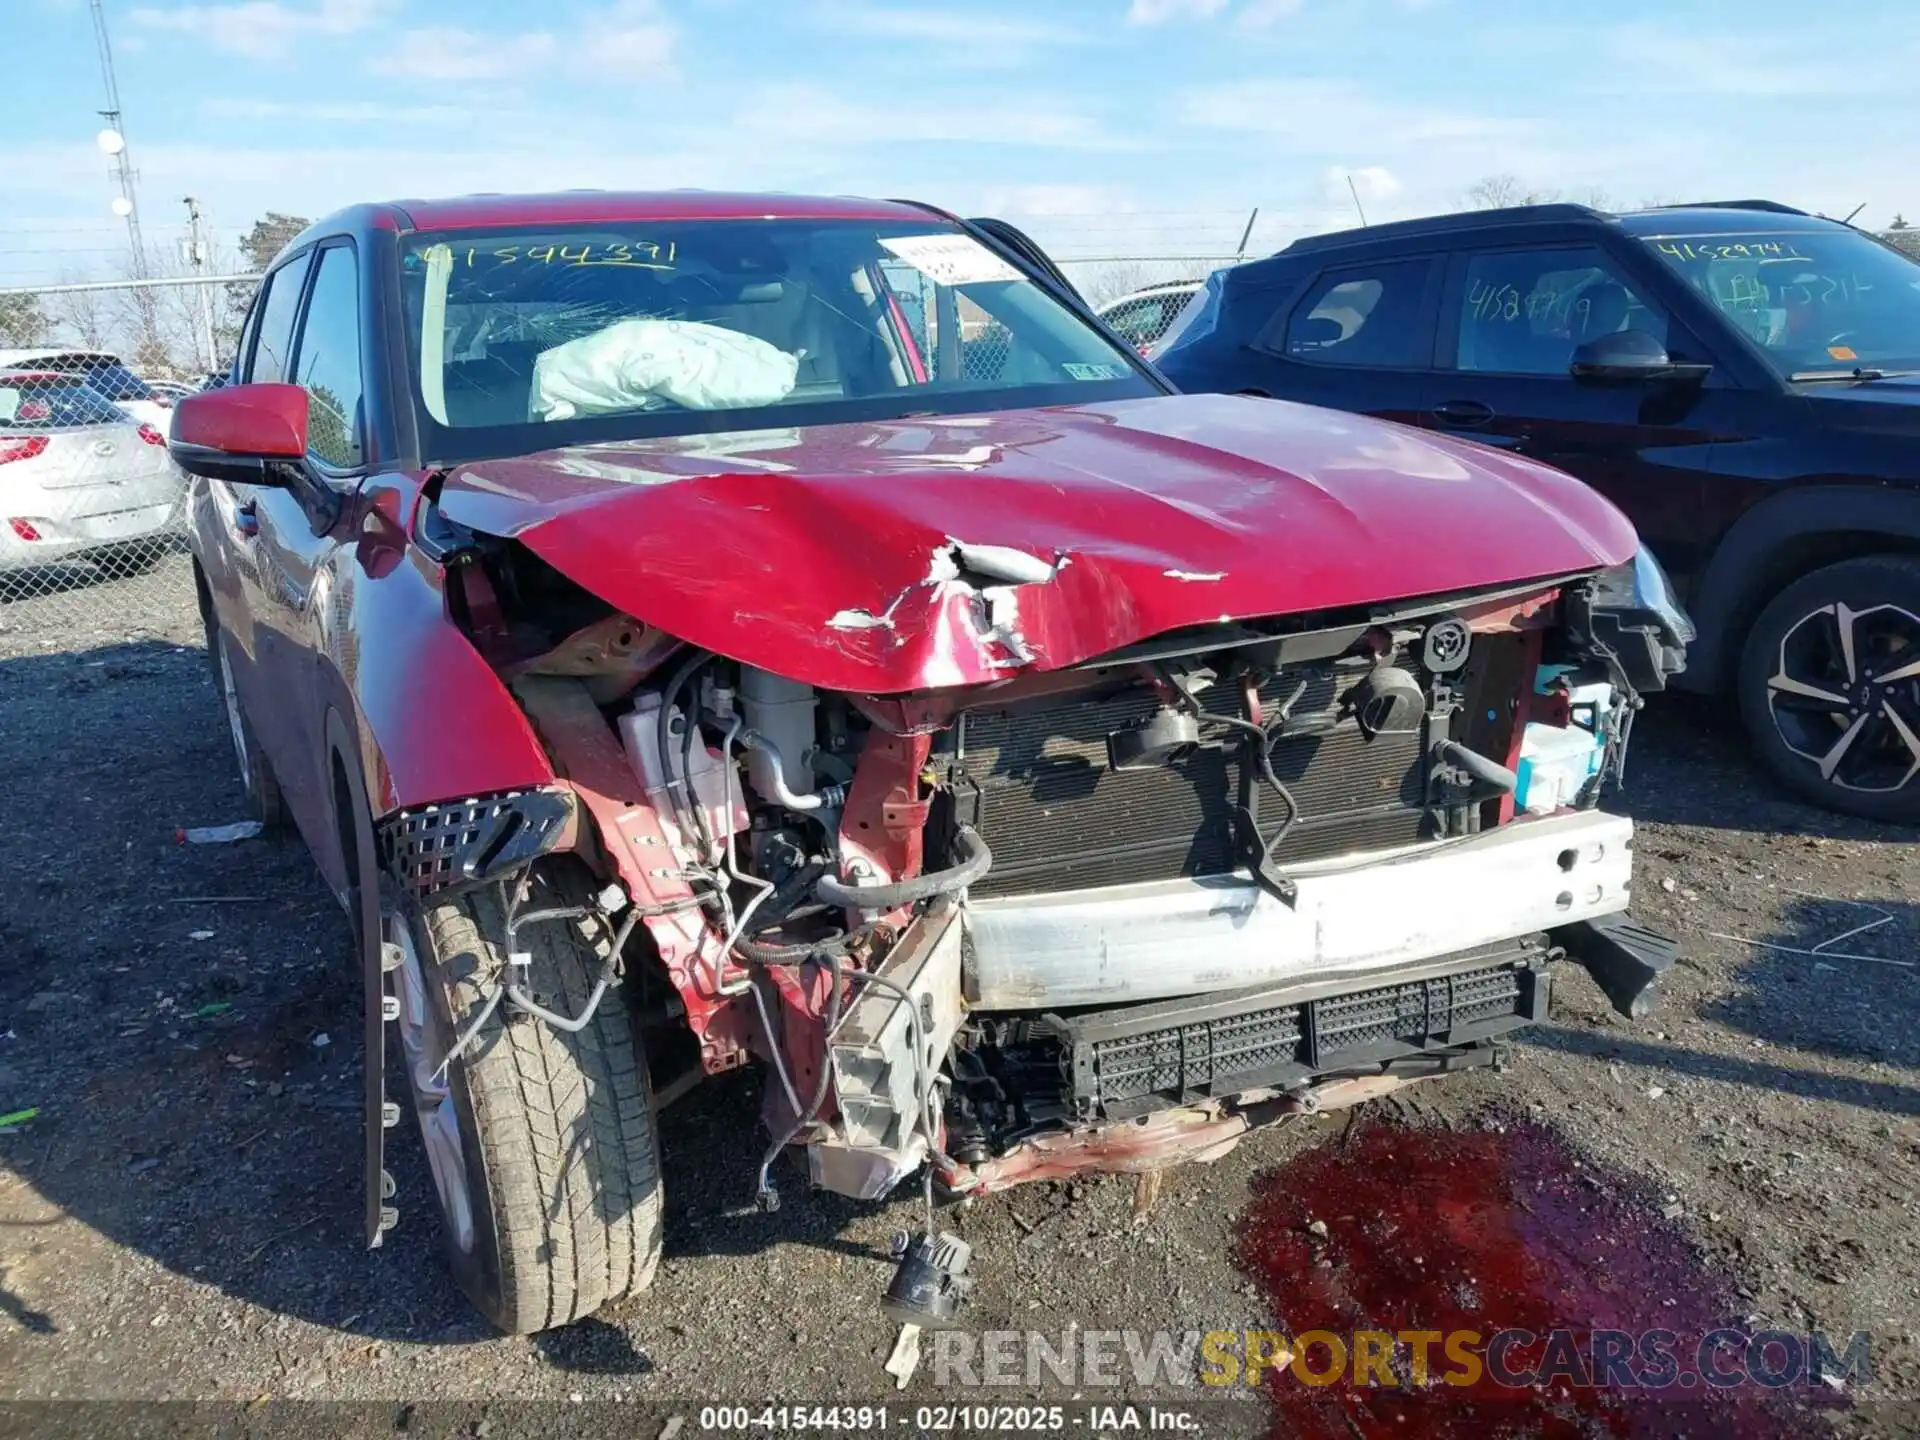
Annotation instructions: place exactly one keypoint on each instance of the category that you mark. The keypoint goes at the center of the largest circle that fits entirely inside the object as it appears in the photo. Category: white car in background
(80, 479)
(103, 372)
(1142, 318)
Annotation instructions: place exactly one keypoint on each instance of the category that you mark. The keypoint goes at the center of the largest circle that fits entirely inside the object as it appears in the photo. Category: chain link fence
(92, 512)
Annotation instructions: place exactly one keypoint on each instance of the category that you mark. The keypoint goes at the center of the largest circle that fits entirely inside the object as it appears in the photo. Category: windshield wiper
(1855, 376)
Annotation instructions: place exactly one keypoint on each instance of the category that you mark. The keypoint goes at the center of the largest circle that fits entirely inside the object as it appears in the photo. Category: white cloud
(628, 39)
(361, 112)
(447, 52)
(1056, 200)
(1373, 182)
(1313, 114)
(1253, 15)
(262, 29)
(782, 115)
(622, 42)
(986, 33)
(1258, 14)
(1664, 60)
(1156, 12)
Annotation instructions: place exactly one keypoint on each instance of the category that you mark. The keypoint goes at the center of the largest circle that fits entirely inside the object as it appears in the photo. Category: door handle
(1468, 414)
(246, 519)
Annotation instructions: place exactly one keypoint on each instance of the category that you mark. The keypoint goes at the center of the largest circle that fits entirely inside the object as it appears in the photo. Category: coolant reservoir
(715, 788)
(1557, 761)
(1554, 764)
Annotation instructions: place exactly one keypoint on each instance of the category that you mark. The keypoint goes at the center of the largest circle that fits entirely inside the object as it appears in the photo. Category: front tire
(1830, 687)
(541, 1143)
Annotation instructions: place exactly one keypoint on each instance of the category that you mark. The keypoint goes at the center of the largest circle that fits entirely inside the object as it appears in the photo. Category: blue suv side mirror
(1630, 357)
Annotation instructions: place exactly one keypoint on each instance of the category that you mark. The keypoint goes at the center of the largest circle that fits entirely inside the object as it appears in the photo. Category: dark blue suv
(1742, 379)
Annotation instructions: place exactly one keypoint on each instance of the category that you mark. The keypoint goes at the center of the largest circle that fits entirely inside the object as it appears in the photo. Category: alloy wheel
(1845, 695)
(423, 1047)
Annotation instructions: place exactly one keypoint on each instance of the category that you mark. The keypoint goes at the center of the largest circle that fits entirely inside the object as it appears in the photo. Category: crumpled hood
(913, 554)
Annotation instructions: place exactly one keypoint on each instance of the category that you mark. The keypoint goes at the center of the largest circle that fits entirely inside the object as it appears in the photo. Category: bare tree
(82, 317)
(258, 247)
(22, 320)
(1111, 281)
(184, 314)
(1497, 192)
(1103, 284)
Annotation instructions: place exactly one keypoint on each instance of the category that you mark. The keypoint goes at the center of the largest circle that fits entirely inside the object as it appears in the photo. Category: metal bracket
(375, 1007)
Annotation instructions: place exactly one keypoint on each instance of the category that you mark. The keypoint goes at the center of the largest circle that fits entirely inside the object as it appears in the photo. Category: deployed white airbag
(631, 363)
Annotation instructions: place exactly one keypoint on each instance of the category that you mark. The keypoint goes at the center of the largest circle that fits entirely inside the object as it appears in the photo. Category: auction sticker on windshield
(951, 259)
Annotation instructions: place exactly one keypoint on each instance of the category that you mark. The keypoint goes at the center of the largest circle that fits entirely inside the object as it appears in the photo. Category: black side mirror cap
(1630, 357)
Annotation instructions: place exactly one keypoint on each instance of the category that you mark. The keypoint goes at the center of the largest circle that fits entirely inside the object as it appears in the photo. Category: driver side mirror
(1630, 357)
(241, 433)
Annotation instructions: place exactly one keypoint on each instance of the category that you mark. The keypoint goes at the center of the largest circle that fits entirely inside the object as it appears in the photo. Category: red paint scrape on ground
(1484, 1231)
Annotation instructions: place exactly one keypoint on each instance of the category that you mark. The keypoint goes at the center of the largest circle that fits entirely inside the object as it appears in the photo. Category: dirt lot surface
(181, 1219)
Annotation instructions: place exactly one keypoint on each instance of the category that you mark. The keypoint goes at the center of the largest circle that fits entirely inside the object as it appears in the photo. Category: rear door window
(1379, 316)
(113, 380)
(54, 405)
(101, 373)
(1141, 322)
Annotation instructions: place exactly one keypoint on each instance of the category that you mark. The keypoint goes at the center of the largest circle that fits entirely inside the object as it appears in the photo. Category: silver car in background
(1142, 318)
(107, 373)
(79, 478)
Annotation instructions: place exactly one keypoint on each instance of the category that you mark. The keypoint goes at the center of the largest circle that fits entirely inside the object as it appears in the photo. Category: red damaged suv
(696, 630)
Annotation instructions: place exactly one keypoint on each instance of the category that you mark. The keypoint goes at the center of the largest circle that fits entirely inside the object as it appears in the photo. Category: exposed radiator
(1059, 819)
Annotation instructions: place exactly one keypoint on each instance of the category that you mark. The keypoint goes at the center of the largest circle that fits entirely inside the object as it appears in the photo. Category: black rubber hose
(768, 952)
(1263, 739)
(976, 859)
(1486, 771)
(780, 906)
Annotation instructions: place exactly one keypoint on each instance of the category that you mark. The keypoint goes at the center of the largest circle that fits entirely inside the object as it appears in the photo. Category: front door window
(1524, 312)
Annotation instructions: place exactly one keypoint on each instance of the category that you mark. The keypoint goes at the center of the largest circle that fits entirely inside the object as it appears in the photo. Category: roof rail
(1443, 224)
(1771, 206)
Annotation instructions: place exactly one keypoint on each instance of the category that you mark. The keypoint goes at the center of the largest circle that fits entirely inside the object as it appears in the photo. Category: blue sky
(1119, 125)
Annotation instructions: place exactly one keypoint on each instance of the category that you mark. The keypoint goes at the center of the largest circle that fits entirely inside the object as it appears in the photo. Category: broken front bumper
(1352, 921)
(1201, 1009)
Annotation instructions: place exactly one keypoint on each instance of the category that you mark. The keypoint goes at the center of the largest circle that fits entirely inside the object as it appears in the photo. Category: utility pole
(197, 259)
(113, 140)
(116, 146)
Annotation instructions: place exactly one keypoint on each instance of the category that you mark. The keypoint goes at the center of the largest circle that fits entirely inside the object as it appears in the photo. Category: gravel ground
(181, 1220)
